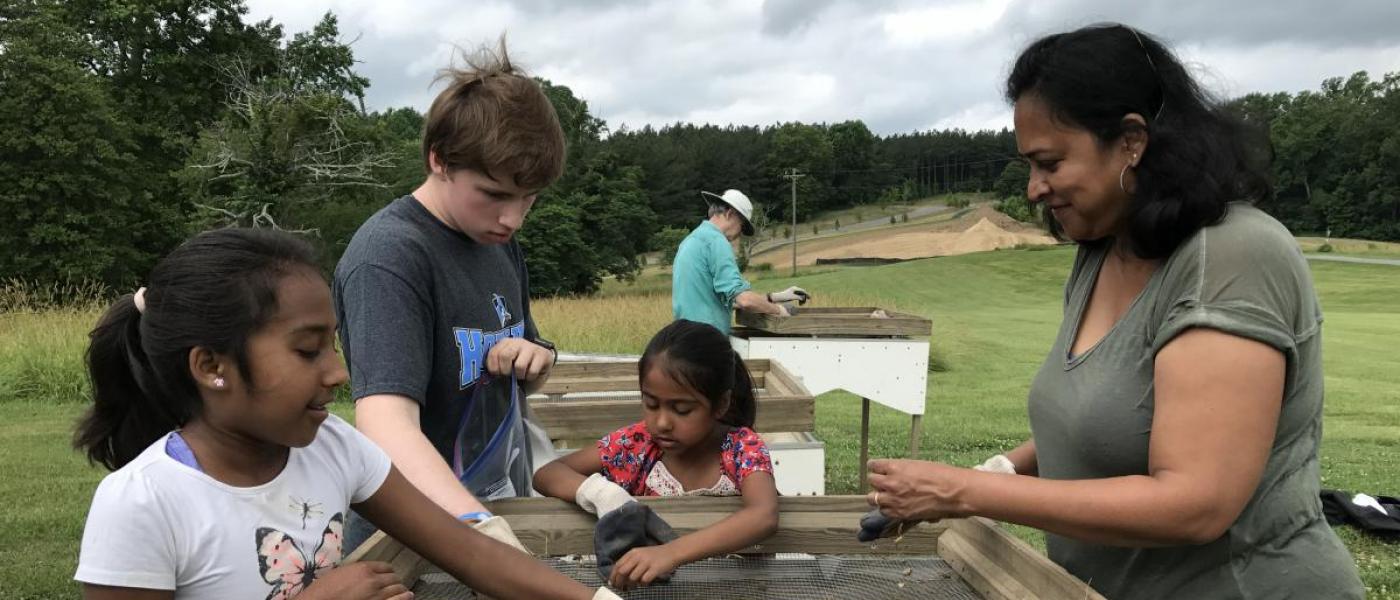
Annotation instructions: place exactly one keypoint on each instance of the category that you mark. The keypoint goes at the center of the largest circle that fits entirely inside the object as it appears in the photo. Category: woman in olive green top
(1175, 424)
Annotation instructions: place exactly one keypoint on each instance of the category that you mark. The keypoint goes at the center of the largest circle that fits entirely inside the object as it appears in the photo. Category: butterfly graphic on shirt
(289, 569)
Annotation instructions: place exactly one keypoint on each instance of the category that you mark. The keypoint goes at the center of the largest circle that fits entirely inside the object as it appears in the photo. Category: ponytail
(214, 291)
(742, 406)
(700, 357)
(125, 416)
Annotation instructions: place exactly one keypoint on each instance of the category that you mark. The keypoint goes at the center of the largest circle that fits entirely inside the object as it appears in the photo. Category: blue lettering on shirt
(472, 347)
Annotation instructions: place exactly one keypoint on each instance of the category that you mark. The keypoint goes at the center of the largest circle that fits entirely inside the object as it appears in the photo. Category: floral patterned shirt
(629, 457)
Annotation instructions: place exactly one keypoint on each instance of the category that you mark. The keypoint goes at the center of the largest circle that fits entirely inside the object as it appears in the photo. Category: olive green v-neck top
(1091, 417)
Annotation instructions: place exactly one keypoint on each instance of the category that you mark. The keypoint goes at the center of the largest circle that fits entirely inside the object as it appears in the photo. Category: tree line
(1335, 152)
(126, 125)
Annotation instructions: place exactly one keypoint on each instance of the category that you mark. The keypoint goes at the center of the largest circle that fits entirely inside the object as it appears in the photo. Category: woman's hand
(359, 581)
(644, 566)
(916, 490)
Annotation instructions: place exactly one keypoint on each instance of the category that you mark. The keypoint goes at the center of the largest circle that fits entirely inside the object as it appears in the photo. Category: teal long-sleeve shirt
(705, 278)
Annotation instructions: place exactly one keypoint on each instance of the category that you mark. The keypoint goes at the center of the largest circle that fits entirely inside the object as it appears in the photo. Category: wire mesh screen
(822, 577)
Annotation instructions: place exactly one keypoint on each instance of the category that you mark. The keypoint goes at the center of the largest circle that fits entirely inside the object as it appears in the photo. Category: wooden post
(915, 429)
(864, 442)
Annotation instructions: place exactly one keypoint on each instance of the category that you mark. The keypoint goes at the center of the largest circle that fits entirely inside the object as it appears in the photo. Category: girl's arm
(562, 476)
(107, 592)
(486, 565)
(755, 522)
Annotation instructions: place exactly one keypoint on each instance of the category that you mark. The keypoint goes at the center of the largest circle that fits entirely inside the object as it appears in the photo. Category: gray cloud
(782, 17)
(1344, 23)
(899, 65)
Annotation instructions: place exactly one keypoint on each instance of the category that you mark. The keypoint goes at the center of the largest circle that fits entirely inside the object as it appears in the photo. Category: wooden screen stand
(916, 427)
(995, 564)
(884, 360)
(864, 443)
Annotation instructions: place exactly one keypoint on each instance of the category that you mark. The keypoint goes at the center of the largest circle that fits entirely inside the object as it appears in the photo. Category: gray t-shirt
(419, 306)
(1091, 417)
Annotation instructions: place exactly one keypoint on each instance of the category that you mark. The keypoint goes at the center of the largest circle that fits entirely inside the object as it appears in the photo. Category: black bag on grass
(1379, 515)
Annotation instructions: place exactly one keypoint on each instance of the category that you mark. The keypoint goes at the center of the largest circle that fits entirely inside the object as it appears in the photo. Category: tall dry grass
(623, 318)
(43, 334)
(44, 329)
(617, 324)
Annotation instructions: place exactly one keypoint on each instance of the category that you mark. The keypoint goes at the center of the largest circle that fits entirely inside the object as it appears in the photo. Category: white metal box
(799, 463)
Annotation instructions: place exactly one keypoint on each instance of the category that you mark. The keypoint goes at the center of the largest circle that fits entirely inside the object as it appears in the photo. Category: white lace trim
(661, 481)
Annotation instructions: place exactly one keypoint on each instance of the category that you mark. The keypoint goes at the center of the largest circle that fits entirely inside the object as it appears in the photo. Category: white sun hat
(739, 202)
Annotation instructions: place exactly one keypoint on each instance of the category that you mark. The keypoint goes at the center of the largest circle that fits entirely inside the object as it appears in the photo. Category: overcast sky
(898, 65)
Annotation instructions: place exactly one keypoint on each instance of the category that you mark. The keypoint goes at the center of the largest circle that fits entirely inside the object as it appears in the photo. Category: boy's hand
(522, 358)
(644, 566)
(370, 580)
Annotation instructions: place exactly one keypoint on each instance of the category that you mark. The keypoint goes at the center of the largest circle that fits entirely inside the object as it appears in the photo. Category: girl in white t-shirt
(231, 479)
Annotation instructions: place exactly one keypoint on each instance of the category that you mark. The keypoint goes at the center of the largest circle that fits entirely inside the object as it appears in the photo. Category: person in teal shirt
(706, 285)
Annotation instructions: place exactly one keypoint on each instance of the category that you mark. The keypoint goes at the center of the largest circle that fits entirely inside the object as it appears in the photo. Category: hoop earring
(1124, 172)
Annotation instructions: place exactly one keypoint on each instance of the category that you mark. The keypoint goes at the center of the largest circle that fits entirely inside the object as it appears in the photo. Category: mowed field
(994, 316)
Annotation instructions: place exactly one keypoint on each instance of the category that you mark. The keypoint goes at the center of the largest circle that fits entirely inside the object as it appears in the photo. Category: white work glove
(791, 294)
(997, 464)
(600, 496)
(784, 310)
(606, 594)
(498, 529)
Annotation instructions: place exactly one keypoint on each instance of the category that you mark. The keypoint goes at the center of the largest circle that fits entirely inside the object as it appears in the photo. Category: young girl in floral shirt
(694, 439)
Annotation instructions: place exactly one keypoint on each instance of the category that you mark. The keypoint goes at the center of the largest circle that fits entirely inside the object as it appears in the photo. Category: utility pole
(793, 176)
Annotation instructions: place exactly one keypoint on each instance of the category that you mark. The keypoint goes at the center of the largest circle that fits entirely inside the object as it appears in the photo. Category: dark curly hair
(1199, 157)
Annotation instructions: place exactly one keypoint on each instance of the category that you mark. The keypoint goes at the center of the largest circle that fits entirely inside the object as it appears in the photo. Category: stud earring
(219, 382)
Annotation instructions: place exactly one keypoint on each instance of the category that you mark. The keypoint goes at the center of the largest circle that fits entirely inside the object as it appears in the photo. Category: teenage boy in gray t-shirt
(433, 299)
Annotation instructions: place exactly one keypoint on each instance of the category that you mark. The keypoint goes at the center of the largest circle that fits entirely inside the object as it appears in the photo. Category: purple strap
(176, 448)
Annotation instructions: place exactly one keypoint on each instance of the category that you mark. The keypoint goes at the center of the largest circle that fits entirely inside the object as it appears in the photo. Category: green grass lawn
(994, 317)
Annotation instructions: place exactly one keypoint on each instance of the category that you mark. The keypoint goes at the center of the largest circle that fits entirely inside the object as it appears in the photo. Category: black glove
(875, 525)
(633, 525)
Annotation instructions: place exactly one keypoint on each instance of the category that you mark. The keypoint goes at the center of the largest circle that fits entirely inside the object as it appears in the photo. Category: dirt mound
(986, 235)
(984, 212)
(979, 229)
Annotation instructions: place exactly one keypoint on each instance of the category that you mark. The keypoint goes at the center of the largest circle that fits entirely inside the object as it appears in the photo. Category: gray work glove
(875, 525)
(791, 294)
(633, 525)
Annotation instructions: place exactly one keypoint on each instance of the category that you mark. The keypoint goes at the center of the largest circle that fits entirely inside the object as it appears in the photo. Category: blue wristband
(477, 516)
